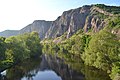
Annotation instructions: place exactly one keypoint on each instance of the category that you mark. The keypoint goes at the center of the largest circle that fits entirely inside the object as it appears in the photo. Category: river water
(52, 68)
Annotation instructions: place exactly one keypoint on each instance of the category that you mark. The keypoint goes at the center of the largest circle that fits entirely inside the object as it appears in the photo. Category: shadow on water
(52, 68)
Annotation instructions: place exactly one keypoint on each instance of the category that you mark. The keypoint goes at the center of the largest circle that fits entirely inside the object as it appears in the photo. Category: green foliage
(115, 70)
(103, 50)
(2, 53)
(23, 68)
(69, 48)
(2, 48)
(18, 48)
(114, 23)
(50, 48)
(111, 9)
(23, 46)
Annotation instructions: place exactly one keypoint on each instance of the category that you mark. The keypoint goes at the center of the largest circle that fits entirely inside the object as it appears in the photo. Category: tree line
(18, 48)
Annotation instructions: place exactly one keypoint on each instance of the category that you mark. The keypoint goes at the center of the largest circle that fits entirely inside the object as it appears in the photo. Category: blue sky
(16, 14)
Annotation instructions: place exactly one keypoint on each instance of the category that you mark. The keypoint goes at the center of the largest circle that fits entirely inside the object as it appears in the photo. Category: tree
(2, 48)
(23, 46)
(102, 51)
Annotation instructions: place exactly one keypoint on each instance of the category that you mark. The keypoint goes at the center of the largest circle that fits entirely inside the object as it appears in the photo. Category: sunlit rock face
(70, 21)
(86, 18)
(40, 26)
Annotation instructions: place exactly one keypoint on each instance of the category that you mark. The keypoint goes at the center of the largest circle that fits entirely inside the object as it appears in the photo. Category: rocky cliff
(70, 21)
(89, 18)
(40, 26)
(86, 18)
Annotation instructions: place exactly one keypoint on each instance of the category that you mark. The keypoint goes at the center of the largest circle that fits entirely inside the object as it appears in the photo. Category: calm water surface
(52, 68)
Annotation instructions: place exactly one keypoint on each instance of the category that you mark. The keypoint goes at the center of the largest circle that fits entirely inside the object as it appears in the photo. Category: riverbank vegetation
(18, 48)
(100, 50)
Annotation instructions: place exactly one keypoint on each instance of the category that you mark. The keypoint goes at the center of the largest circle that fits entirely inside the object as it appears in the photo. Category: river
(52, 68)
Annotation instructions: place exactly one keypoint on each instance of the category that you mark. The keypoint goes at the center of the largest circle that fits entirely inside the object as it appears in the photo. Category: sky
(16, 14)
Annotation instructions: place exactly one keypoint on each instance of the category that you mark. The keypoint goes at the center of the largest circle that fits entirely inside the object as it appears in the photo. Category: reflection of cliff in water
(32, 68)
(72, 70)
(53, 68)
(62, 69)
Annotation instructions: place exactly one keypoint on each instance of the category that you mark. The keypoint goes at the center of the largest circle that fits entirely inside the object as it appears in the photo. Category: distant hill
(8, 33)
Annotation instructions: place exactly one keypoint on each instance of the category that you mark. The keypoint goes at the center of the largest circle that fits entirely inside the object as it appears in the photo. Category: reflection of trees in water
(29, 75)
(2, 77)
(62, 69)
(95, 74)
(69, 71)
(90, 73)
(28, 69)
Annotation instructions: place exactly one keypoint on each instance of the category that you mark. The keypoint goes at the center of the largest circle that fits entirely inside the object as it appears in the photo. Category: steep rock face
(39, 26)
(69, 22)
(86, 18)
(93, 23)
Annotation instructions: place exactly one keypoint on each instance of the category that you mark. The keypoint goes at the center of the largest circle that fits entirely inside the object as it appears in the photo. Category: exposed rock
(81, 18)
(101, 11)
(69, 22)
(117, 32)
(39, 26)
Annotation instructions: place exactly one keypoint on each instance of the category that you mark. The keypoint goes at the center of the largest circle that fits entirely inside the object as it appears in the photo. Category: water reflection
(62, 69)
(52, 68)
(44, 75)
